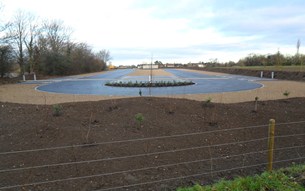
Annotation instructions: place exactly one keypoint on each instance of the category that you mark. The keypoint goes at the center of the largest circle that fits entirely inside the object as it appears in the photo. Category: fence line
(146, 154)
(119, 172)
(155, 153)
(291, 135)
(153, 167)
(142, 139)
(195, 175)
(129, 140)
(290, 123)
(138, 155)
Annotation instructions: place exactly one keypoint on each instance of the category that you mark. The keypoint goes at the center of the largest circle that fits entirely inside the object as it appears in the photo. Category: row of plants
(149, 84)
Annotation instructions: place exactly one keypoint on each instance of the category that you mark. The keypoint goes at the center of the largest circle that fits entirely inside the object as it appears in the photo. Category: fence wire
(129, 140)
(155, 153)
(196, 175)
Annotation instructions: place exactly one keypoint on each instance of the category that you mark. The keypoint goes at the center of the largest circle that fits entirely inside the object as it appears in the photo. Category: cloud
(178, 30)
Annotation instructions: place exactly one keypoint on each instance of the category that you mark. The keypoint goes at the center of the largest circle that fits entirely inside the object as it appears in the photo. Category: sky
(176, 31)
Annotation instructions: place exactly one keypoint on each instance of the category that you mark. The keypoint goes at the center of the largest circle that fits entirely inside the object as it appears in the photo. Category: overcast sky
(178, 31)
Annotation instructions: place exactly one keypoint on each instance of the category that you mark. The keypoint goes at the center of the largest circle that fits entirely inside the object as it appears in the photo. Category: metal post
(262, 74)
(271, 143)
(272, 75)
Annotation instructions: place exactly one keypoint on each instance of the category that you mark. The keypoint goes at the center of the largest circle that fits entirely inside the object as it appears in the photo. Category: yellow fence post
(271, 143)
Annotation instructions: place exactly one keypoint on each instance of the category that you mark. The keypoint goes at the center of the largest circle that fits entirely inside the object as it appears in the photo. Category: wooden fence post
(271, 143)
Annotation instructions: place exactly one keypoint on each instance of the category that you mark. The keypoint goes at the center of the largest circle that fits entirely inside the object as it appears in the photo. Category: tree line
(277, 59)
(32, 45)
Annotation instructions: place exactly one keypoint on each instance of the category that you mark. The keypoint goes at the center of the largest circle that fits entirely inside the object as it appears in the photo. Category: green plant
(207, 102)
(149, 84)
(57, 110)
(139, 118)
(283, 179)
(286, 93)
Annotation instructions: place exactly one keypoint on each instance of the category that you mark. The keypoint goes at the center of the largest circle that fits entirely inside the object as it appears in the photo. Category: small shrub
(286, 93)
(57, 110)
(207, 102)
(139, 118)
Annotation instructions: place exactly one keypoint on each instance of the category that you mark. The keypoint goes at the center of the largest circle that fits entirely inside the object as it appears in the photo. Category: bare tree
(52, 42)
(18, 29)
(6, 51)
(104, 55)
(56, 35)
(30, 40)
(4, 36)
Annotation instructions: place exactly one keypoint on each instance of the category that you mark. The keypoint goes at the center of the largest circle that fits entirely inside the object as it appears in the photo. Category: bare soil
(99, 128)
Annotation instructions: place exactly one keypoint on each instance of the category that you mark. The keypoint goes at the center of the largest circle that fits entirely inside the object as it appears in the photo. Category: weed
(57, 110)
(286, 93)
(207, 102)
(139, 118)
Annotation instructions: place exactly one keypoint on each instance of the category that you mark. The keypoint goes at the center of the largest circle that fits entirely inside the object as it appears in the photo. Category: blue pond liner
(95, 85)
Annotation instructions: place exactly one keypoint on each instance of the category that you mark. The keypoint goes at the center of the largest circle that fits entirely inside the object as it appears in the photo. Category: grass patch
(287, 179)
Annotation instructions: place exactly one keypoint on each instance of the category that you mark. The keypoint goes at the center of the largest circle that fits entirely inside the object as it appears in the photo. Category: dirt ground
(100, 128)
(96, 143)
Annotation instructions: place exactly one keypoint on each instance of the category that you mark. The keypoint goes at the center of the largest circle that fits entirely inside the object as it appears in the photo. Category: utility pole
(151, 61)
(298, 55)
(150, 75)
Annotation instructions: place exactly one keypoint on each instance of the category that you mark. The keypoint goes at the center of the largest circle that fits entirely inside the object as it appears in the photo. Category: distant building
(195, 65)
(175, 65)
(201, 65)
(148, 66)
(170, 65)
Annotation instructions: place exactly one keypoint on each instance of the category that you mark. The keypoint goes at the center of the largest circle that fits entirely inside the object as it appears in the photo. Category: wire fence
(172, 165)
